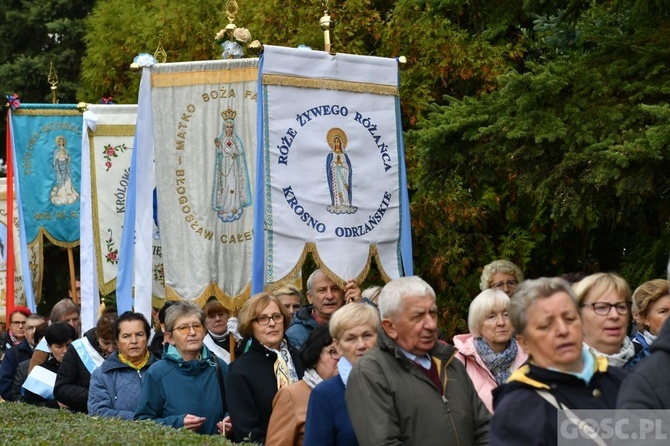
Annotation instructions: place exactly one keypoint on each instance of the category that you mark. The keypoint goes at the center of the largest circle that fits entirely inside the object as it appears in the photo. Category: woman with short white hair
(354, 330)
(489, 352)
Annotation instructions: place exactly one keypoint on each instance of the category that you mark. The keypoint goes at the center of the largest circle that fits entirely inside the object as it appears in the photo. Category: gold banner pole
(53, 81)
(326, 25)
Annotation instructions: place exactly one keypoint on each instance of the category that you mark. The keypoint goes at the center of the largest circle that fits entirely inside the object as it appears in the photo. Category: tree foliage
(33, 35)
(565, 165)
(538, 130)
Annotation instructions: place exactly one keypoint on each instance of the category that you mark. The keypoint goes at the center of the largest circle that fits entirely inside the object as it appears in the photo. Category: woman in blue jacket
(117, 383)
(354, 330)
(185, 388)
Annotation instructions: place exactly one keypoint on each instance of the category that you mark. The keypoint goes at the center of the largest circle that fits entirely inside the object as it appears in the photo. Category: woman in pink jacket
(489, 351)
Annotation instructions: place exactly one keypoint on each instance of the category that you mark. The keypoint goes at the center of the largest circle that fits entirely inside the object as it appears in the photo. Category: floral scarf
(284, 367)
(312, 378)
(499, 364)
(620, 358)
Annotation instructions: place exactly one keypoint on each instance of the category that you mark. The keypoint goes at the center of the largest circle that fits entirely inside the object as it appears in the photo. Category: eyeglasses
(18, 322)
(264, 319)
(604, 308)
(500, 285)
(186, 329)
(333, 353)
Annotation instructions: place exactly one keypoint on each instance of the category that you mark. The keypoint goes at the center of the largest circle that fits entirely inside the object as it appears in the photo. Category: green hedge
(23, 424)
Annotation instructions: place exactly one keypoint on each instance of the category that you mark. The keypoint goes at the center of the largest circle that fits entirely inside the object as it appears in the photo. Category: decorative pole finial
(326, 25)
(160, 55)
(231, 11)
(53, 81)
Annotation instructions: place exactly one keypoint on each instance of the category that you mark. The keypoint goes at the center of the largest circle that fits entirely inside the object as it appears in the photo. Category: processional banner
(332, 167)
(204, 148)
(4, 244)
(111, 133)
(46, 143)
(106, 152)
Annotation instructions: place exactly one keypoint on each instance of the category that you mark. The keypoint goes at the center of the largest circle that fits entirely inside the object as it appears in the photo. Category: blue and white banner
(204, 129)
(41, 382)
(332, 167)
(47, 147)
(88, 354)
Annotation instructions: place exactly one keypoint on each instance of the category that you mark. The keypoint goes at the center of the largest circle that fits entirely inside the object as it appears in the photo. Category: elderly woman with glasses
(269, 364)
(562, 374)
(289, 408)
(354, 329)
(501, 275)
(604, 301)
(185, 388)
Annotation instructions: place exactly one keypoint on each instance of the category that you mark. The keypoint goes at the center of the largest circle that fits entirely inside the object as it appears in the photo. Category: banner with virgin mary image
(47, 150)
(204, 125)
(331, 173)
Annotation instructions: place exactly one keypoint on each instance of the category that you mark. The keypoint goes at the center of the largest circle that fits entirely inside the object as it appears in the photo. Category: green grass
(23, 424)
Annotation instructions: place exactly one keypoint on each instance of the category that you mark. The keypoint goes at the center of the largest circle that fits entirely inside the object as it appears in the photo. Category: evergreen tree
(33, 35)
(564, 166)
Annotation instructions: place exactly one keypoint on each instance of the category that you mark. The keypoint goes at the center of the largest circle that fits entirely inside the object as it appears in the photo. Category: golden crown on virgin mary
(228, 114)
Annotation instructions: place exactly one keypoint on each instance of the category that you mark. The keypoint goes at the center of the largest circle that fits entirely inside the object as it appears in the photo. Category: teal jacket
(174, 388)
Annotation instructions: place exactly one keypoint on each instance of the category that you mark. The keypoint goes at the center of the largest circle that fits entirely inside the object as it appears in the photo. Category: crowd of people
(358, 367)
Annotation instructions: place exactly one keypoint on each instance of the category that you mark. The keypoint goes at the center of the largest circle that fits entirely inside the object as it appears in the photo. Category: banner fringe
(329, 84)
(310, 247)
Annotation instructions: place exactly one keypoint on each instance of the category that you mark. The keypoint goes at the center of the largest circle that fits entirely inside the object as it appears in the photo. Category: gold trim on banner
(45, 112)
(229, 302)
(105, 288)
(310, 247)
(37, 293)
(111, 130)
(186, 78)
(157, 302)
(43, 233)
(329, 84)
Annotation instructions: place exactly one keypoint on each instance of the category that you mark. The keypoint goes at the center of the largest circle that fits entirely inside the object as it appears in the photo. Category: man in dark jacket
(411, 389)
(18, 354)
(325, 298)
(647, 386)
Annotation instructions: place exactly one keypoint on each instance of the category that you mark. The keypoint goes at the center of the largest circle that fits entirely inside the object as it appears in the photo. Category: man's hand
(352, 293)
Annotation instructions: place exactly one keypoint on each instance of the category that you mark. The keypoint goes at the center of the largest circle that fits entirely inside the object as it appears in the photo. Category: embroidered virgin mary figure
(63, 192)
(231, 191)
(339, 174)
